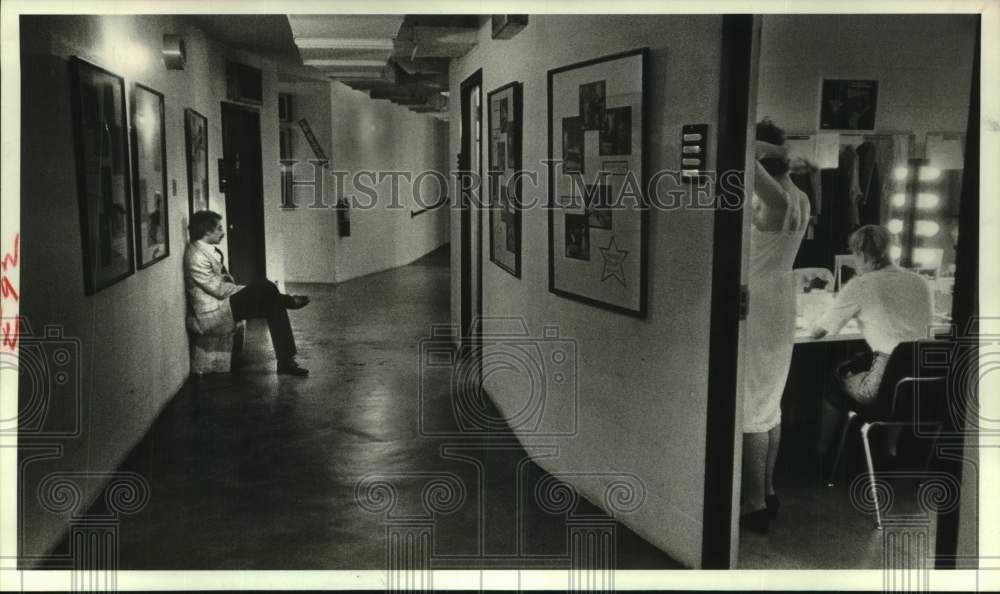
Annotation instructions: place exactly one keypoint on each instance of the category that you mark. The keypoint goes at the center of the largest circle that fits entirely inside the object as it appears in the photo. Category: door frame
(259, 235)
(737, 100)
(467, 334)
(965, 321)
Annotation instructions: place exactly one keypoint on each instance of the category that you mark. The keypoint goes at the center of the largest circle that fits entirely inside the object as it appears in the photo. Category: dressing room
(860, 146)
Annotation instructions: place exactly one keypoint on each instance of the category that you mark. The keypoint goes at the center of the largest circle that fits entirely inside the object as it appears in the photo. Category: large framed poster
(597, 207)
(504, 123)
(149, 164)
(103, 175)
(196, 140)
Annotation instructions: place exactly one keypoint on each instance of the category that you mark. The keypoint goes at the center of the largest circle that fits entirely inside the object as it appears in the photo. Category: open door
(909, 170)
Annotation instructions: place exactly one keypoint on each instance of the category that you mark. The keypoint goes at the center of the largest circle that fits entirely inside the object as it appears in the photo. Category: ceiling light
(343, 43)
(345, 63)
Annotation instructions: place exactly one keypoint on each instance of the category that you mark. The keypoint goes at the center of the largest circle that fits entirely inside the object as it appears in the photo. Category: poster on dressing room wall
(848, 104)
(597, 215)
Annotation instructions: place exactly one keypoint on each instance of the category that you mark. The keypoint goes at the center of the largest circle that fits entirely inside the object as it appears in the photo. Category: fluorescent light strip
(358, 74)
(345, 63)
(343, 43)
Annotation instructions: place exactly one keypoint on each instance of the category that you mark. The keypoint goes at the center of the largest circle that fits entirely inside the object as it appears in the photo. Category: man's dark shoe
(296, 301)
(290, 367)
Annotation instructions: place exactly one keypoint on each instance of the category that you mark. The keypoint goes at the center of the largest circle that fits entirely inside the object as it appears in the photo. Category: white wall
(923, 64)
(362, 134)
(308, 236)
(643, 383)
(134, 349)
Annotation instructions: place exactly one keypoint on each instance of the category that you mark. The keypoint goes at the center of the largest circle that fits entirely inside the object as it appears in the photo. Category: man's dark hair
(768, 132)
(202, 223)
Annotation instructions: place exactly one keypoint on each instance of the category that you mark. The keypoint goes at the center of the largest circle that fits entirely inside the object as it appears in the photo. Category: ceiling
(399, 58)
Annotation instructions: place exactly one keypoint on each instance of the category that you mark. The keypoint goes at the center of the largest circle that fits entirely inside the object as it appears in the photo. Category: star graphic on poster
(613, 258)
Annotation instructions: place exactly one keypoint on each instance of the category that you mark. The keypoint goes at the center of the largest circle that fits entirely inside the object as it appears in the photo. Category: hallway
(258, 471)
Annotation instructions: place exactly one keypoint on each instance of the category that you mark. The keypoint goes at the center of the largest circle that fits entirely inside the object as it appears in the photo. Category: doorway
(470, 172)
(243, 186)
(913, 184)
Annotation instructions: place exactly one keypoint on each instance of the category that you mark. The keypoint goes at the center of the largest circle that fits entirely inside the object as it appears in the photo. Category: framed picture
(505, 119)
(149, 168)
(196, 140)
(103, 175)
(848, 104)
(598, 215)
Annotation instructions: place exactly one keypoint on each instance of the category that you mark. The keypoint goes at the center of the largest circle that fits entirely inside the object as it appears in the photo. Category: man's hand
(818, 332)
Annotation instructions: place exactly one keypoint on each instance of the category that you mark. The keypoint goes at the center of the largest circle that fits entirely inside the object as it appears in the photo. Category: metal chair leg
(840, 447)
(933, 447)
(871, 474)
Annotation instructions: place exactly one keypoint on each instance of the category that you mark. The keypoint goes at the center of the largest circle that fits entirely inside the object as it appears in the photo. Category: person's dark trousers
(261, 299)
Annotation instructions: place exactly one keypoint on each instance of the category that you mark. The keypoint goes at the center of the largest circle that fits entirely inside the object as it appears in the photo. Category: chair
(913, 393)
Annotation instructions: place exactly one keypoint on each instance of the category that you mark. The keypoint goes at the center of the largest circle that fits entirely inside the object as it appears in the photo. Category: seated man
(217, 302)
(891, 305)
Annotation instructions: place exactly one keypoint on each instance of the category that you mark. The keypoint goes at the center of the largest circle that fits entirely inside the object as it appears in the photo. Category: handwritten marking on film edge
(11, 327)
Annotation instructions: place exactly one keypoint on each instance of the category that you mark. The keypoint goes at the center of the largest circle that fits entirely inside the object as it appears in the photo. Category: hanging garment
(870, 206)
(841, 193)
(814, 245)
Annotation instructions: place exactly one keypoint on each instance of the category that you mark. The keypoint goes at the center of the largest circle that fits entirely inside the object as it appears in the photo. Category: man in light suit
(217, 302)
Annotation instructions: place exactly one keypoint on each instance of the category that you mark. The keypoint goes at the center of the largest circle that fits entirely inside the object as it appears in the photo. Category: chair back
(915, 384)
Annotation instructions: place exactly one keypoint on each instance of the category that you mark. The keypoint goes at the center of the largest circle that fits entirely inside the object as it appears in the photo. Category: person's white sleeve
(846, 306)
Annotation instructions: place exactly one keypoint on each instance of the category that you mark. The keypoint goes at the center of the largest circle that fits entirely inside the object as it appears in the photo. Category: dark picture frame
(196, 150)
(505, 119)
(848, 104)
(598, 250)
(103, 174)
(149, 171)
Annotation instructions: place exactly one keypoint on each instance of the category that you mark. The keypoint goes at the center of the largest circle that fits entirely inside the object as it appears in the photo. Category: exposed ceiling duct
(399, 58)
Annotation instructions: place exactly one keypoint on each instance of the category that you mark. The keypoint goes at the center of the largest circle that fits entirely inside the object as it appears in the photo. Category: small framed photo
(196, 141)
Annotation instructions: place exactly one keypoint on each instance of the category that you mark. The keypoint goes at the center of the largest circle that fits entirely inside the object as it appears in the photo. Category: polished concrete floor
(251, 470)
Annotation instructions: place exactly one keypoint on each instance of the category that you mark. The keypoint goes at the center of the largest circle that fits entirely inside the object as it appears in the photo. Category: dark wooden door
(244, 190)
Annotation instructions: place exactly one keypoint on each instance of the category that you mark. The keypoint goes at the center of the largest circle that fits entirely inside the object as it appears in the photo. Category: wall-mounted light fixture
(173, 52)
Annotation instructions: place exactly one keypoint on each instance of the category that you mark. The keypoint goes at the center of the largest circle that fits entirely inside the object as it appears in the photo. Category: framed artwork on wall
(848, 104)
(598, 215)
(505, 117)
(196, 143)
(103, 175)
(149, 166)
